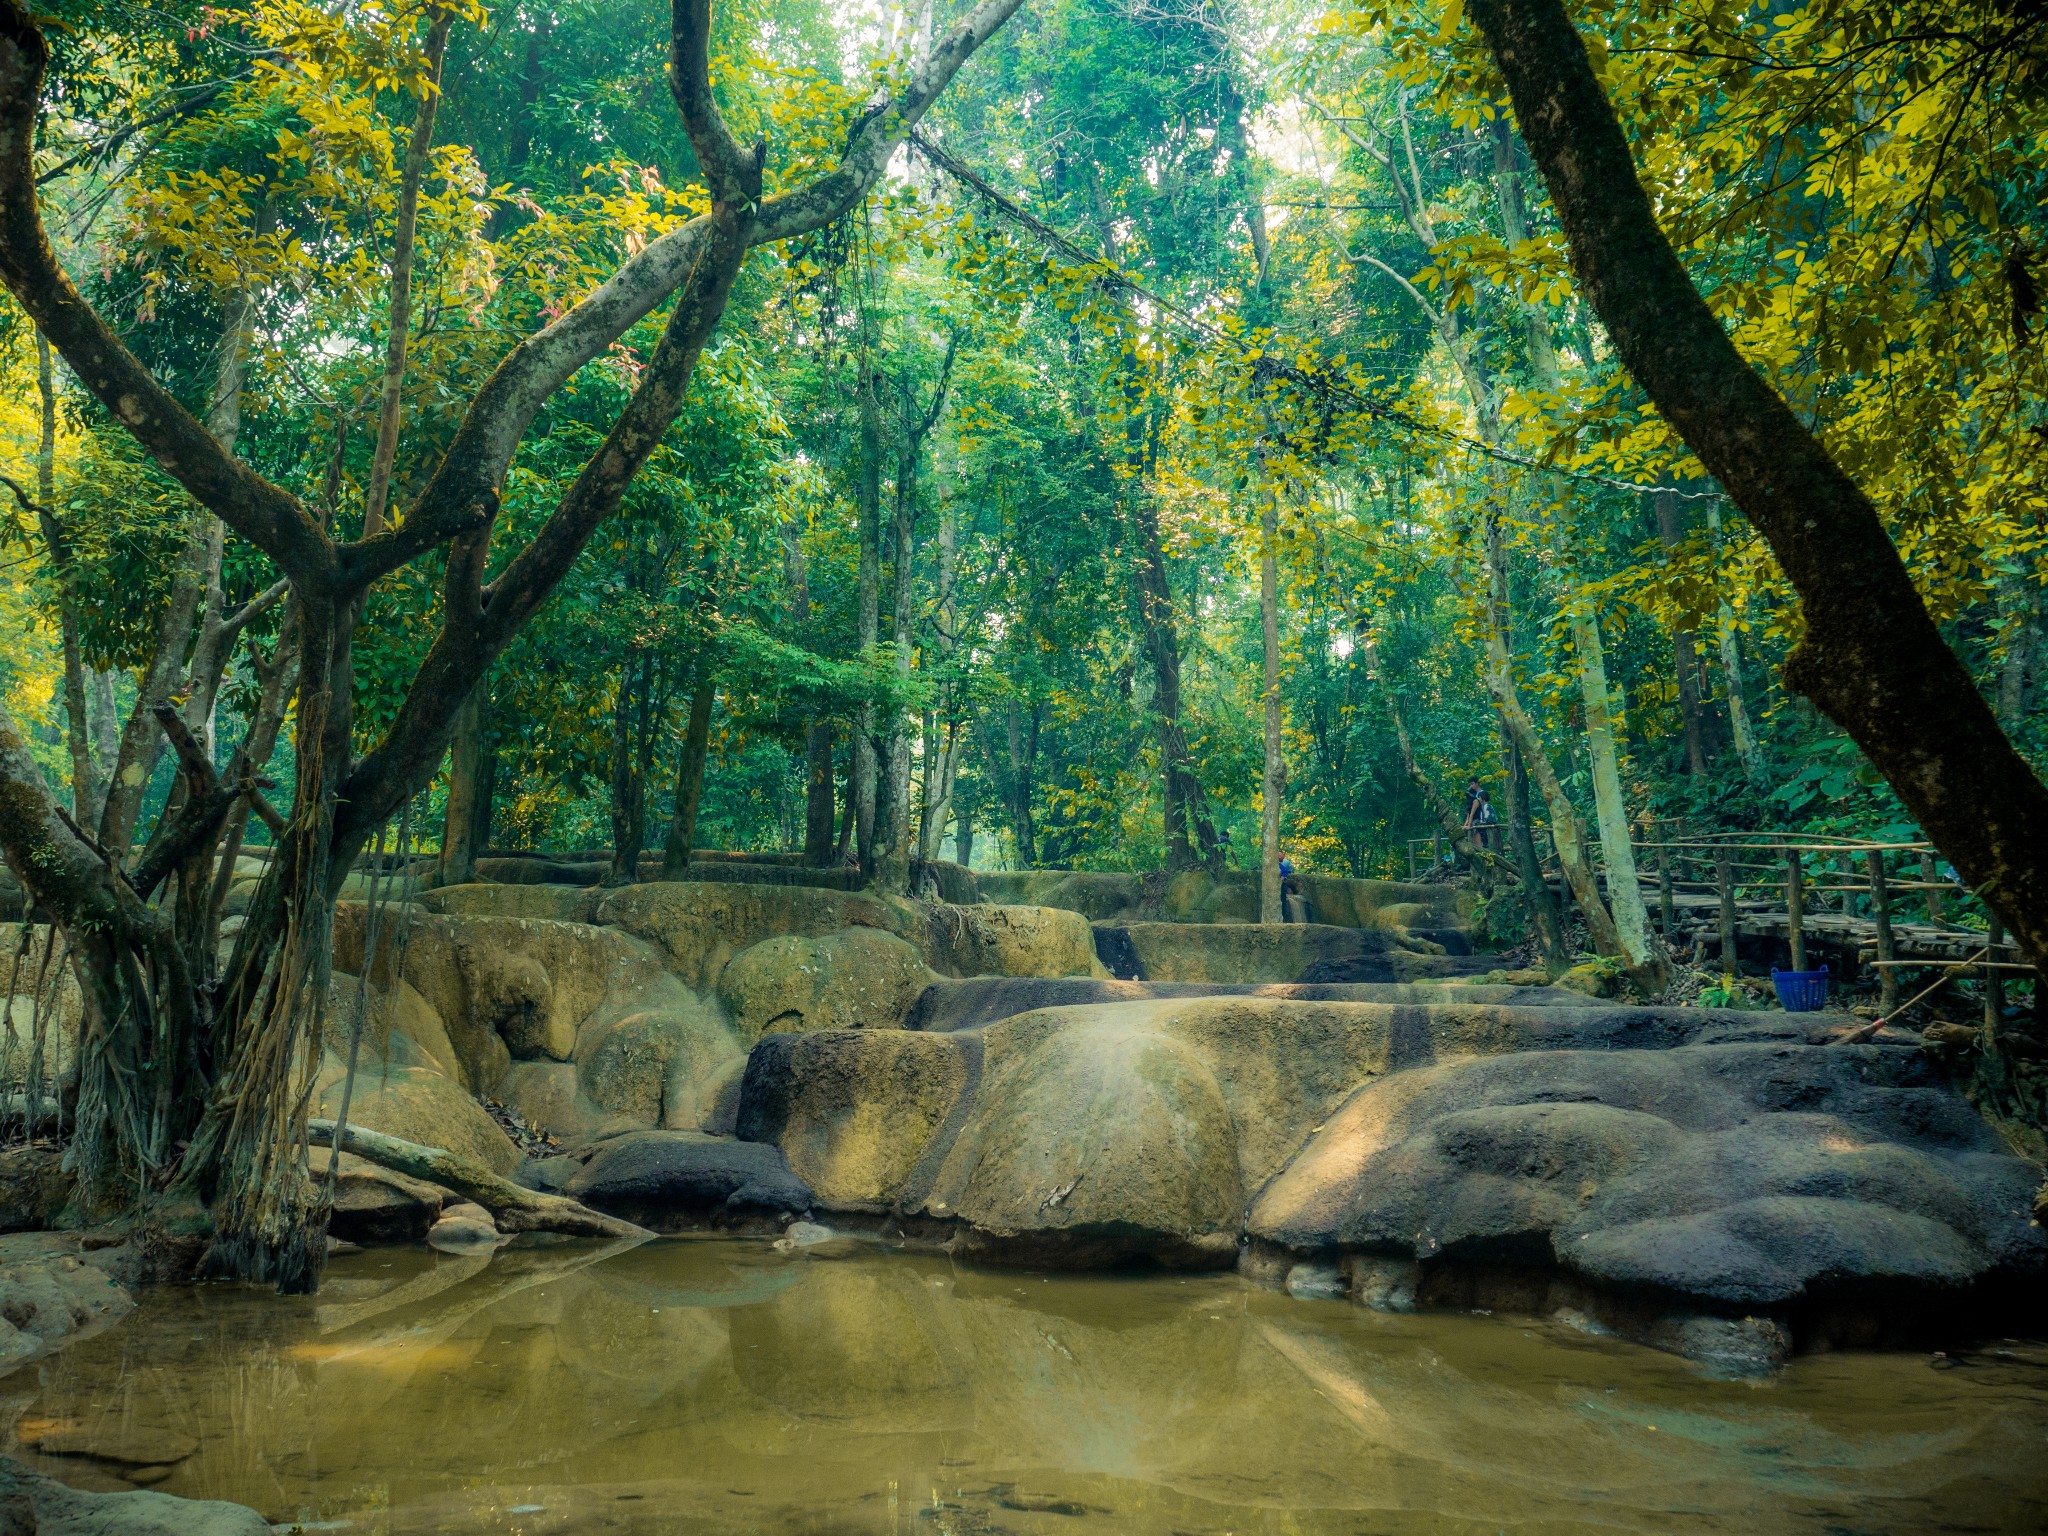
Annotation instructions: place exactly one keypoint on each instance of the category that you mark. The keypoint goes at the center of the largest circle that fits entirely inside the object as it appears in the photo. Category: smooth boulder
(663, 1179)
(1758, 1174)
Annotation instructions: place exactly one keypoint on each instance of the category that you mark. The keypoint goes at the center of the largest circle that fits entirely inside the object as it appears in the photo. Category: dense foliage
(1167, 266)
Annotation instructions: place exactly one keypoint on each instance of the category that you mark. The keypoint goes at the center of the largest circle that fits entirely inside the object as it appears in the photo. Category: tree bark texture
(398, 330)
(682, 827)
(1640, 950)
(1871, 657)
(77, 730)
(459, 828)
(1685, 656)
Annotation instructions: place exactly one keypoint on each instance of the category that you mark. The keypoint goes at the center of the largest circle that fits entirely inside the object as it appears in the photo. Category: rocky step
(1251, 954)
(976, 1000)
(1729, 1184)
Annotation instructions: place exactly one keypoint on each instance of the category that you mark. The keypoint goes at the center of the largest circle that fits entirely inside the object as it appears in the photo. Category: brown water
(722, 1387)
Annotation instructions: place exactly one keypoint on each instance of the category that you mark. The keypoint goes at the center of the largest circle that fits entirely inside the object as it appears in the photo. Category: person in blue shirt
(1287, 888)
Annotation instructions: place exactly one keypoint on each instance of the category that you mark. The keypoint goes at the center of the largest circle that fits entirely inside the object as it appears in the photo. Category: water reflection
(721, 1387)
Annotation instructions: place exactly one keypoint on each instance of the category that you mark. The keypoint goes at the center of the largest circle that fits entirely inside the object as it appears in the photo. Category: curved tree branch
(268, 517)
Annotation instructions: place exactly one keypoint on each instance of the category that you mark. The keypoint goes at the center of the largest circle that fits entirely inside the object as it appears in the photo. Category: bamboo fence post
(1795, 906)
(1887, 951)
(1436, 853)
(1411, 858)
(1933, 896)
(1994, 981)
(1666, 897)
(1724, 875)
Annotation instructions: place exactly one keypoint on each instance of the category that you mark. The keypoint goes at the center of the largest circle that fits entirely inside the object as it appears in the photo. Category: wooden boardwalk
(1849, 903)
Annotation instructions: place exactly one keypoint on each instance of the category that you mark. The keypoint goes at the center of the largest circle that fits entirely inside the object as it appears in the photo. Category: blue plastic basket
(1801, 991)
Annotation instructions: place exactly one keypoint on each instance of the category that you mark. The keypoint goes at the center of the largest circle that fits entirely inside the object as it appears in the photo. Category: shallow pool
(691, 1386)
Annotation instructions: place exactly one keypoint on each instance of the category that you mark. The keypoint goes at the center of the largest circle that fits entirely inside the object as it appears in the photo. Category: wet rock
(551, 1175)
(34, 1187)
(665, 1057)
(418, 1104)
(39, 1506)
(663, 1178)
(1316, 1282)
(965, 1003)
(860, 978)
(128, 1445)
(1254, 953)
(376, 1205)
(1740, 1346)
(854, 1112)
(1094, 1138)
(571, 903)
(1736, 1177)
(50, 1299)
(463, 1227)
(548, 1095)
(992, 940)
(700, 925)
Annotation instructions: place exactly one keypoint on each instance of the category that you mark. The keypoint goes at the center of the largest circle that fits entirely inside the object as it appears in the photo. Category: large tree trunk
(1871, 656)
(464, 828)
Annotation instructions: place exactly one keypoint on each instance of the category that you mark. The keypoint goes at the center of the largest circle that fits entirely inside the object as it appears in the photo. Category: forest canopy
(1095, 434)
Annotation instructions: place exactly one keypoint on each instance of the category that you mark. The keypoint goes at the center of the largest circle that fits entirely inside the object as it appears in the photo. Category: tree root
(515, 1209)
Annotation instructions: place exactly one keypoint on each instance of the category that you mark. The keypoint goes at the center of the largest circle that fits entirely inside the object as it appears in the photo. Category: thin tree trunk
(818, 785)
(1023, 746)
(892, 858)
(398, 329)
(870, 615)
(1747, 751)
(1566, 832)
(1640, 950)
(1684, 645)
(1545, 926)
(1871, 655)
(629, 798)
(78, 736)
(1275, 767)
(1190, 835)
(682, 827)
(2019, 610)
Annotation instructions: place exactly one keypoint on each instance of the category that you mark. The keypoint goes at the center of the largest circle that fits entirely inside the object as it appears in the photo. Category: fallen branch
(515, 1209)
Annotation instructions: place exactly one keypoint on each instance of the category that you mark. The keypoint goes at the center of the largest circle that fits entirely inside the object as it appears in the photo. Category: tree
(247, 1123)
(1871, 656)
